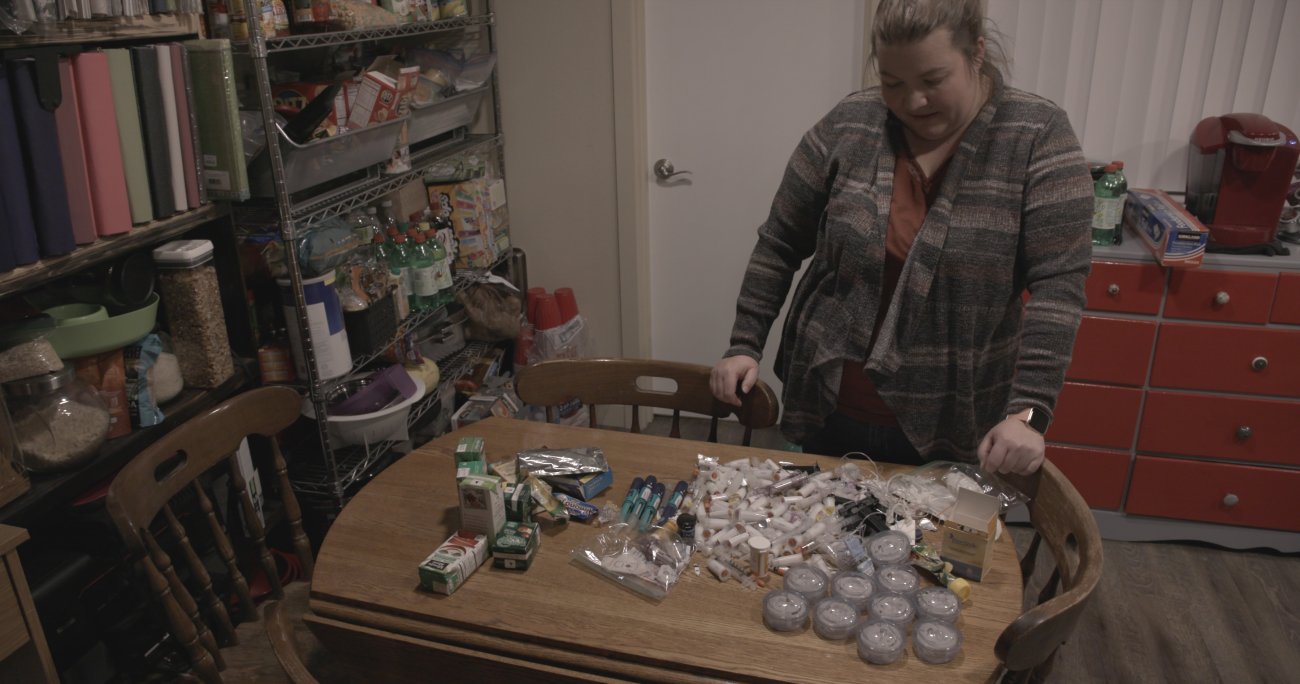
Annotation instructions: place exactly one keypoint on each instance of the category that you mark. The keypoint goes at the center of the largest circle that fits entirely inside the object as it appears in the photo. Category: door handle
(664, 170)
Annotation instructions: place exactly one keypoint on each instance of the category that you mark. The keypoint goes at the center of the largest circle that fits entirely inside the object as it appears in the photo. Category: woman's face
(930, 85)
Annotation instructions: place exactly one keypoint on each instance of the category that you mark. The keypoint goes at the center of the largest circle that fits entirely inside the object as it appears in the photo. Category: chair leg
(713, 429)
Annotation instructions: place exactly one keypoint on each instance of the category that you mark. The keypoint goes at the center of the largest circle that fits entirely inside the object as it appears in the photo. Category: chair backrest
(1061, 518)
(146, 499)
(599, 382)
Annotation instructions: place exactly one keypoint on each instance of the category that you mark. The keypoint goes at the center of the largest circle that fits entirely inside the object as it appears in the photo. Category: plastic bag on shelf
(648, 563)
(327, 246)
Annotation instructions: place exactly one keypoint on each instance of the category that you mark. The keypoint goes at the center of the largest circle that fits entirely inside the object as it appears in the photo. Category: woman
(929, 205)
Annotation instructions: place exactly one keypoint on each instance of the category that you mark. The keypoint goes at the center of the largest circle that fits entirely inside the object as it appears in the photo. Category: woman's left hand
(1011, 447)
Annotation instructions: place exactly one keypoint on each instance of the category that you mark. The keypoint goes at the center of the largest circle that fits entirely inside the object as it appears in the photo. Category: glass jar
(59, 421)
(187, 283)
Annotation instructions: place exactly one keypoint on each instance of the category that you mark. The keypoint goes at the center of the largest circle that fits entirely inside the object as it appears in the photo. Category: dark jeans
(842, 435)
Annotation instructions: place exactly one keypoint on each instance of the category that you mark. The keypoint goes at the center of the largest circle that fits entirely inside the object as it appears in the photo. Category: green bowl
(97, 337)
(76, 314)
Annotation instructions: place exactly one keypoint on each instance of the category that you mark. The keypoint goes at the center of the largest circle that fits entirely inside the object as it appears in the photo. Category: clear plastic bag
(648, 563)
(551, 462)
(954, 476)
(28, 358)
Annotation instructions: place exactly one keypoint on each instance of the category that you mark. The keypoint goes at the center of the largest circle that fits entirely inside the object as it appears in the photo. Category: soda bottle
(1107, 205)
(423, 275)
(1123, 194)
(399, 264)
(441, 267)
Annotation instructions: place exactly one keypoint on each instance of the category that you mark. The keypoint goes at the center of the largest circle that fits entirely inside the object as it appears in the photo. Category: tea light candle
(880, 642)
(834, 619)
(935, 642)
(890, 547)
(806, 581)
(898, 579)
(894, 608)
(784, 611)
(937, 603)
(854, 587)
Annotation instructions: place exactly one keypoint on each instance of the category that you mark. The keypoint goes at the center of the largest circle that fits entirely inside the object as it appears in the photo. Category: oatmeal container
(59, 421)
(187, 281)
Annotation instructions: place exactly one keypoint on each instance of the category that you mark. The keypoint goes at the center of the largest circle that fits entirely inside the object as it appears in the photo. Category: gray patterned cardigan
(958, 350)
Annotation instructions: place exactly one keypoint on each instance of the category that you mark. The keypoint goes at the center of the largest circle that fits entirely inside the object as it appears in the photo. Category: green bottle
(422, 275)
(441, 266)
(1108, 195)
(399, 263)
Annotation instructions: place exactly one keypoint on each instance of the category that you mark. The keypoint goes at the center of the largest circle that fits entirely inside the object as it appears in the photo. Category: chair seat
(253, 660)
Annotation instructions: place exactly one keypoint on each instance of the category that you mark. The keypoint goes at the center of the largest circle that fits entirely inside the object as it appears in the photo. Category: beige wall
(556, 65)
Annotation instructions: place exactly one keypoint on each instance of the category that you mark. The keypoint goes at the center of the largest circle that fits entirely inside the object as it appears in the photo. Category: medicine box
(482, 504)
(1166, 227)
(515, 545)
(969, 532)
(453, 562)
(469, 457)
(584, 487)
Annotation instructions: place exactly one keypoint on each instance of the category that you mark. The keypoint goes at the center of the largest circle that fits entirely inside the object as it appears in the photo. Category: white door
(731, 86)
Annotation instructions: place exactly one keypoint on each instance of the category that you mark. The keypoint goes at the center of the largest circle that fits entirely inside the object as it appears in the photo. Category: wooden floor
(1164, 612)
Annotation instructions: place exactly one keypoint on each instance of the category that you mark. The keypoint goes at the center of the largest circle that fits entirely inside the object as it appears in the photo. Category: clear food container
(187, 281)
(59, 421)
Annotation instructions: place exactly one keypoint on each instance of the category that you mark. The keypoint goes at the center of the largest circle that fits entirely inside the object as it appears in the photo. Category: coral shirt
(913, 195)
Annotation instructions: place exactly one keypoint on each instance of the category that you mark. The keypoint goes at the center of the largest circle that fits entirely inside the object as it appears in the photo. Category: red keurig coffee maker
(1238, 171)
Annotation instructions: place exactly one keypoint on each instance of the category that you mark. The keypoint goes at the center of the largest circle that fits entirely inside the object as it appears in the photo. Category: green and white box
(482, 504)
(452, 563)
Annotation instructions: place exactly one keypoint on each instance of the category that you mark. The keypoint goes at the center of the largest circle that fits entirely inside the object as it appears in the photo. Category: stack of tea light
(754, 517)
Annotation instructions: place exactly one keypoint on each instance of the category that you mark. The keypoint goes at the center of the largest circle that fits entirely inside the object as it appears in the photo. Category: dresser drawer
(1112, 350)
(1227, 359)
(1096, 415)
(1128, 288)
(1227, 296)
(1215, 492)
(1099, 475)
(1238, 429)
(1286, 303)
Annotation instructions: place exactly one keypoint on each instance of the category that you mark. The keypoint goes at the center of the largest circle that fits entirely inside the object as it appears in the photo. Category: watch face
(1038, 420)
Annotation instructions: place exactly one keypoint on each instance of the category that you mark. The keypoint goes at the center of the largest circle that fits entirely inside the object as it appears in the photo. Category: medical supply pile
(847, 542)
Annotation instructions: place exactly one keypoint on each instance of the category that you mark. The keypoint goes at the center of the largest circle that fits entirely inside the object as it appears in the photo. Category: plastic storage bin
(187, 280)
(370, 428)
(320, 161)
(431, 120)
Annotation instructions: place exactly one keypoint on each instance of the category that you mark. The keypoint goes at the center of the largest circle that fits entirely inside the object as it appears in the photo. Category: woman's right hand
(728, 373)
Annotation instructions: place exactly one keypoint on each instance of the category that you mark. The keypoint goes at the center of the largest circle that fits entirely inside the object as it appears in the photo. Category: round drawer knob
(1230, 500)
(1259, 363)
(1221, 299)
(1244, 432)
(1113, 290)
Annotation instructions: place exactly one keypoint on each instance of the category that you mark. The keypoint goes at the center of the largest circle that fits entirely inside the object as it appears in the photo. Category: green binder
(212, 74)
(122, 82)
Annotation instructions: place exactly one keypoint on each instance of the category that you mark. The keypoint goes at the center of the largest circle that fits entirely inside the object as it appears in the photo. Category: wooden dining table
(559, 622)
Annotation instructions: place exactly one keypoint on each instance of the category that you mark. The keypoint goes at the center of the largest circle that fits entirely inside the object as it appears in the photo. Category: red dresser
(1180, 416)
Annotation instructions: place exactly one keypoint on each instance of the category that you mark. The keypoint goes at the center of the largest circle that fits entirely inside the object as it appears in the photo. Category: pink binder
(180, 78)
(67, 122)
(103, 150)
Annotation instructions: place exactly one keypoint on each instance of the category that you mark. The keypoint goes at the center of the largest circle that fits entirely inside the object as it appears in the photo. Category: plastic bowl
(76, 314)
(370, 428)
(97, 337)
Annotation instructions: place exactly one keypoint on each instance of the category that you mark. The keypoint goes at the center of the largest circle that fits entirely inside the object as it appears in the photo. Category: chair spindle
(216, 607)
(253, 526)
(181, 595)
(246, 608)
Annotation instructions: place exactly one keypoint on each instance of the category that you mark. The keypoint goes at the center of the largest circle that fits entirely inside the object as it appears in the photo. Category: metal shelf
(107, 248)
(315, 40)
(363, 192)
(351, 463)
(461, 280)
(100, 31)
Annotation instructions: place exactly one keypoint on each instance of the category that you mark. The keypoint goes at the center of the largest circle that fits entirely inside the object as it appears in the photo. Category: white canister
(325, 324)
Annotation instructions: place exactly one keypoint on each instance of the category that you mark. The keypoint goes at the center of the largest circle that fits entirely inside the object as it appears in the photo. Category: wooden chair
(597, 382)
(1059, 515)
(141, 503)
